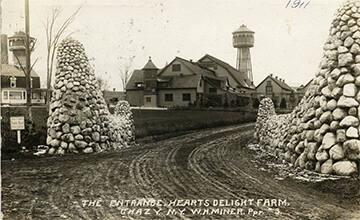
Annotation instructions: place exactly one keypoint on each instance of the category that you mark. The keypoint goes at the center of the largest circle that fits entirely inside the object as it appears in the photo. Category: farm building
(239, 87)
(234, 79)
(284, 96)
(113, 97)
(180, 83)
(207, 82)
(186, 83)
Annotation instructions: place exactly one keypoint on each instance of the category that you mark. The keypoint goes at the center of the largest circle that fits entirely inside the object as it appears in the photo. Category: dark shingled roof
(282, 84)
(232, 71)
(11, 70)
(150, 65)
(196, 68)
(185, 82)
(188, 81)
(136, 77)
(113, 96)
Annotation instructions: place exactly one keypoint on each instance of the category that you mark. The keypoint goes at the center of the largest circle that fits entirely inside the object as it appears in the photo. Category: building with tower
(150, 72)
(13, 80)
(243, 40)
(181, 83)
(208, 82)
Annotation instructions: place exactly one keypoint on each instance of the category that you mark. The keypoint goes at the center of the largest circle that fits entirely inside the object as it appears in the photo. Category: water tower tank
(243, 37)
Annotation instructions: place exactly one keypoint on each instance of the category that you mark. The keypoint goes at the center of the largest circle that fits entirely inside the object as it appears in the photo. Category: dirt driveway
(209, 174)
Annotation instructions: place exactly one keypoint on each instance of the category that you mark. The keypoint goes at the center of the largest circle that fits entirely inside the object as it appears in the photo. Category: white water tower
(243, 40)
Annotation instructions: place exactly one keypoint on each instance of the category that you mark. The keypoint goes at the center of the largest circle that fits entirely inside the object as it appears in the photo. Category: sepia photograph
(180, 109)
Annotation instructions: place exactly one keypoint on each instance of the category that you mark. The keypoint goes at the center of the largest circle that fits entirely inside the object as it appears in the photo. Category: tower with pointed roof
(150, 84)
(17, 46)
(243, 40)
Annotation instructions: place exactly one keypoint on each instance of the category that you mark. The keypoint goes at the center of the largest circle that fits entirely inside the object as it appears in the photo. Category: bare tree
(55, 32)
(27, 69)
(103, 83)
(126, 69)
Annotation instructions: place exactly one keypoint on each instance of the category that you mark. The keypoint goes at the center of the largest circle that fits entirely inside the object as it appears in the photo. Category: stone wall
(322, 132)
(79, 120)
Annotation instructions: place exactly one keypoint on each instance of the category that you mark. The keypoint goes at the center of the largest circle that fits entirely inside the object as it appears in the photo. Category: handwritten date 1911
(297, 4)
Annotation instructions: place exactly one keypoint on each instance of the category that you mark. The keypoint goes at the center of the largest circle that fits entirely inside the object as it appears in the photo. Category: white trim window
(12, 82)
(5, 95)
(17, 95)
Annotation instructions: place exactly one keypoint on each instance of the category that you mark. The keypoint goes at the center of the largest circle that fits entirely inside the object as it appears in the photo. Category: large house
(13, 87)
(180, 83)
(208, 82)
(13, 80)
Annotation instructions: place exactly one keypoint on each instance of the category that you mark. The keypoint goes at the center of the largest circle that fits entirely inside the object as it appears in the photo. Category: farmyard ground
(211, 164)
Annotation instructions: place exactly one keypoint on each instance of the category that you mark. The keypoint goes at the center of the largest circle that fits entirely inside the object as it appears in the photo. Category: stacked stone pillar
(322, 133)
(79, 120)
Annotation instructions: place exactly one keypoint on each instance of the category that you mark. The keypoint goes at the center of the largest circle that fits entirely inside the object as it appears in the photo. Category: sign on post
(17, 123)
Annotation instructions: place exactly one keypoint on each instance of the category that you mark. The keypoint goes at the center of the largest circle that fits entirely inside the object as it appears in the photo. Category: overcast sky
(288, 42)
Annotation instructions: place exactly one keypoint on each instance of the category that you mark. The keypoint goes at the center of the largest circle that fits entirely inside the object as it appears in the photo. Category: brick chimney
(4, 49)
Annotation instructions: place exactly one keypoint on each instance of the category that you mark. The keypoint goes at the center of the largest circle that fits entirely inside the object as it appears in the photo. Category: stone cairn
(268, 123)
(122, 126)
(322, 132)
(79, 120)
(266, 111)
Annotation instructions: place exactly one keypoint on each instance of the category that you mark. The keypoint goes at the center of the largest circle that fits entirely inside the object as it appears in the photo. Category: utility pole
(28, 60)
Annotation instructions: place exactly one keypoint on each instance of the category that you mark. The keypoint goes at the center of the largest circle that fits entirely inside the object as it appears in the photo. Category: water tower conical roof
(243, 29)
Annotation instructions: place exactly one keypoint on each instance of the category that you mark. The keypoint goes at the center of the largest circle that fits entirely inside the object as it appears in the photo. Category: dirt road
(210, 173)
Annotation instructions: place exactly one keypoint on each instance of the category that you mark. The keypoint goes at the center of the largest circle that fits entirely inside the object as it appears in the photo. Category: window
(163, 84)
(186, 97)
(212, 90)
(139, 85)
(12, 82)
(169, 97)
(176, 67)
(269, 89)
(17, 95)
(31, 82)
(5, 95)
(268, 83)
(35, 95)
(148, 99)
